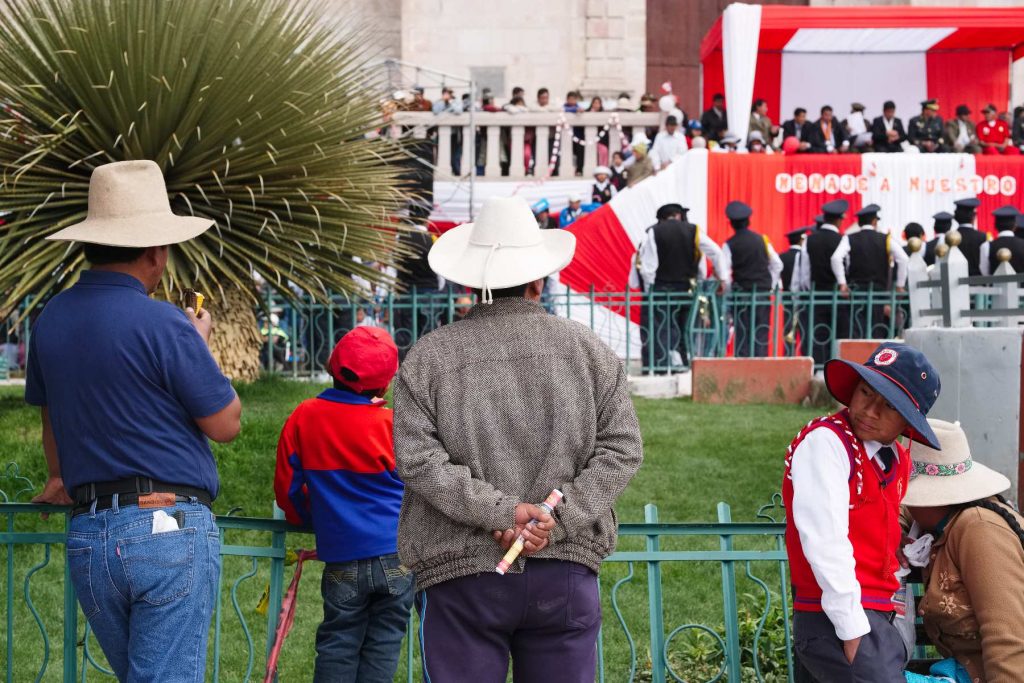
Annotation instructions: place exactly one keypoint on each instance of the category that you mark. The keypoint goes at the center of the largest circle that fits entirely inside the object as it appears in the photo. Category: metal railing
(667, 330)
(945, 295)
(39, 596)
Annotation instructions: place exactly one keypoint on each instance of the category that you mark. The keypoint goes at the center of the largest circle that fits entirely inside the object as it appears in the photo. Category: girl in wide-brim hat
(973, 606)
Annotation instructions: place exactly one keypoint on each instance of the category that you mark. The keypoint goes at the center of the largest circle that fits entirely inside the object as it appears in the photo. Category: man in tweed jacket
(491, 414)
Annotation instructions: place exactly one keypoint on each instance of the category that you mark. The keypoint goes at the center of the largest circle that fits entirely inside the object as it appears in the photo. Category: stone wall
(597, 46)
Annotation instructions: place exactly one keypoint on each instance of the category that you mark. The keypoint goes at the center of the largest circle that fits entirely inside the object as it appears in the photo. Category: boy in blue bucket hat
(845, 477)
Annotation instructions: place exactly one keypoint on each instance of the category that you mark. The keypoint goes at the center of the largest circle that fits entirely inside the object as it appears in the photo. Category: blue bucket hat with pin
(902, 375)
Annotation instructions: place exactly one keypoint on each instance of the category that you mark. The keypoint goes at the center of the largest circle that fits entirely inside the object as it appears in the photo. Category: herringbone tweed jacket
(500, 408)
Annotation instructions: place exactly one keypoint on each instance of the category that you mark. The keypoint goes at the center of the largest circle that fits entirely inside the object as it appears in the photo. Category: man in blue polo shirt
(130, 396)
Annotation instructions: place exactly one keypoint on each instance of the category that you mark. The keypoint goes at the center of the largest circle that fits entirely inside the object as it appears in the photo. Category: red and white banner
(785, 192)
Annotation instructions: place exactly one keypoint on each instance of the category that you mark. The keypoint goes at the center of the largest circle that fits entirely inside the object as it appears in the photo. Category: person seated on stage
(845, 476)
(994, 134)
(961, 132)
(925, 131)
(887, 134)
(798, 127)
(828, 135)
(857, 128)
(973, 604)
(728, 143)
(759, 122)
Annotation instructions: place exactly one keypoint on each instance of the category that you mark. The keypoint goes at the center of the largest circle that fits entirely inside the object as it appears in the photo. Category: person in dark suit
(1006, 220)
(887, 131)
(943, 222)
(1019, 230)
(926, 131)
(798, 127)
(714, 121)
(965, 214)
(827, 135)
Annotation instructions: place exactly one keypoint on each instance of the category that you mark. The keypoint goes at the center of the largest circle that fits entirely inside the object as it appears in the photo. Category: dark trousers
(824, 328)
(752, 320)
(546, 618)
(879, 659)
(794, 326)
(878, 327)
(670, 323)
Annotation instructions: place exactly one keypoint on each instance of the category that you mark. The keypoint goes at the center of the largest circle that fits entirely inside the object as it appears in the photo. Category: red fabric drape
(752, 179)
(603, 253)
(1002, 168)
(713, 77)
(971, 77)
(768, 84)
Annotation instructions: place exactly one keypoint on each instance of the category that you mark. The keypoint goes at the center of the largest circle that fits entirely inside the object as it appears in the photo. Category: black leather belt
(130, 491)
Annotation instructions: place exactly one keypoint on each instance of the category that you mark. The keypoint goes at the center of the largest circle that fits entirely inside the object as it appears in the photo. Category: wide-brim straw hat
(503, 248)
(128, 207)
(950, 476)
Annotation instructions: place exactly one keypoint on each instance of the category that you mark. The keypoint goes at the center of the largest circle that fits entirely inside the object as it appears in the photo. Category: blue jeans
(148, 597)
(366, 610)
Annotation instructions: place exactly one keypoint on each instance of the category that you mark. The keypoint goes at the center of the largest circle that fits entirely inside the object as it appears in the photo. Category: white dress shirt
(774, 265)
(986, 267)
(667, 148)
(802, 276)
(794, 281)
(820, 471)
(649, 257)
(840, 260)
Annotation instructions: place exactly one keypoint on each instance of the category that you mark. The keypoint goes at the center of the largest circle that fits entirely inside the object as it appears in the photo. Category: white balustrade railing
(513, 146)
(942, 295)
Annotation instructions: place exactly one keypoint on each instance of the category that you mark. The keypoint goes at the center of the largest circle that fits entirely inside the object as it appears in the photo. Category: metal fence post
(654, 599)
(730, 608)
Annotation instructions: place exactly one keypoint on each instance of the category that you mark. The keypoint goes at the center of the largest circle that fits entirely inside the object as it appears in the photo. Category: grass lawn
(695, 456)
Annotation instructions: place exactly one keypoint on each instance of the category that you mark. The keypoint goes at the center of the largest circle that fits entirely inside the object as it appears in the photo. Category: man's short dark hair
(671, 121)
(103, 255)
(798, 111)
(543, 91)
(757, 103)
(826, 108)
(889, 104)
(518, 90)
(717, 96)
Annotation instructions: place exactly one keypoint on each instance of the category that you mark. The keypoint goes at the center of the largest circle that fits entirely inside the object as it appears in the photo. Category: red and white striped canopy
(812, 56)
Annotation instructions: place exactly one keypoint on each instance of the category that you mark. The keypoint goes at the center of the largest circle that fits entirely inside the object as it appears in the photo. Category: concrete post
(956, 297)
(920, 297)
(1006, 295)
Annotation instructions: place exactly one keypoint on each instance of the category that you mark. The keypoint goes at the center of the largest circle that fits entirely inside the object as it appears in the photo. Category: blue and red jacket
(336, 473)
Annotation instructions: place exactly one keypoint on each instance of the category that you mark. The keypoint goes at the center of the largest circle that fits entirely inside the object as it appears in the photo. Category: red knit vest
(874, 520)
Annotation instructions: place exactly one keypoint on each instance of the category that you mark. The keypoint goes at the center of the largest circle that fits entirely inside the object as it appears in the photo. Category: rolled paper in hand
(549, 505)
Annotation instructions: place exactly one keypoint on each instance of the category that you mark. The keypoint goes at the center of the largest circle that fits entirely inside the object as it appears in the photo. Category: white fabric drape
(814, 80)
(741, 30)
(918, 186)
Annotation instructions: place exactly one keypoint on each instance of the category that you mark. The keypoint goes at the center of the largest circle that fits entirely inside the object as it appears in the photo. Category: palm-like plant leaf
(256, 110)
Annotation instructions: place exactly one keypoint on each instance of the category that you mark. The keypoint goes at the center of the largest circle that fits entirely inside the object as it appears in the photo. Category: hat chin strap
(486, 296)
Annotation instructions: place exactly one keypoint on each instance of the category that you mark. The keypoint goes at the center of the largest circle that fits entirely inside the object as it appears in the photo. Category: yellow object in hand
(199, 302)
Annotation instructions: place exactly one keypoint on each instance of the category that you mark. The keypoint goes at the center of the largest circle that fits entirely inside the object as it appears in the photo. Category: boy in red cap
(336, 473)
(845, 477)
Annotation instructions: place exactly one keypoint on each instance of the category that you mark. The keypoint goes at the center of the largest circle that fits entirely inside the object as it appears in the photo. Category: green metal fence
(640, 640)
(670, 327)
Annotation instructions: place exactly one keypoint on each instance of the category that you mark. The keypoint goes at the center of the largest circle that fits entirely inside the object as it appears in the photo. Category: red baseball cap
(364, 359)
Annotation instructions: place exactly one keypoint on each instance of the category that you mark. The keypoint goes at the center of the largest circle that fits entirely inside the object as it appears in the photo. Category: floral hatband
(931, 469)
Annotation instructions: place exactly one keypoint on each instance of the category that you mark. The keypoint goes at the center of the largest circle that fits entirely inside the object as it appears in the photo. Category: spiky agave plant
(256, 110)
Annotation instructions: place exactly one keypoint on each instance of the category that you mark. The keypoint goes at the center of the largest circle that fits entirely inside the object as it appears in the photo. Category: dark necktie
(887, 456)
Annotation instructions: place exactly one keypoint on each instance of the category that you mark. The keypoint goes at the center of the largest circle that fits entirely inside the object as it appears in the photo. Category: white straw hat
(503, 248)
(598, 170)
(128, 207)
(949, 476)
